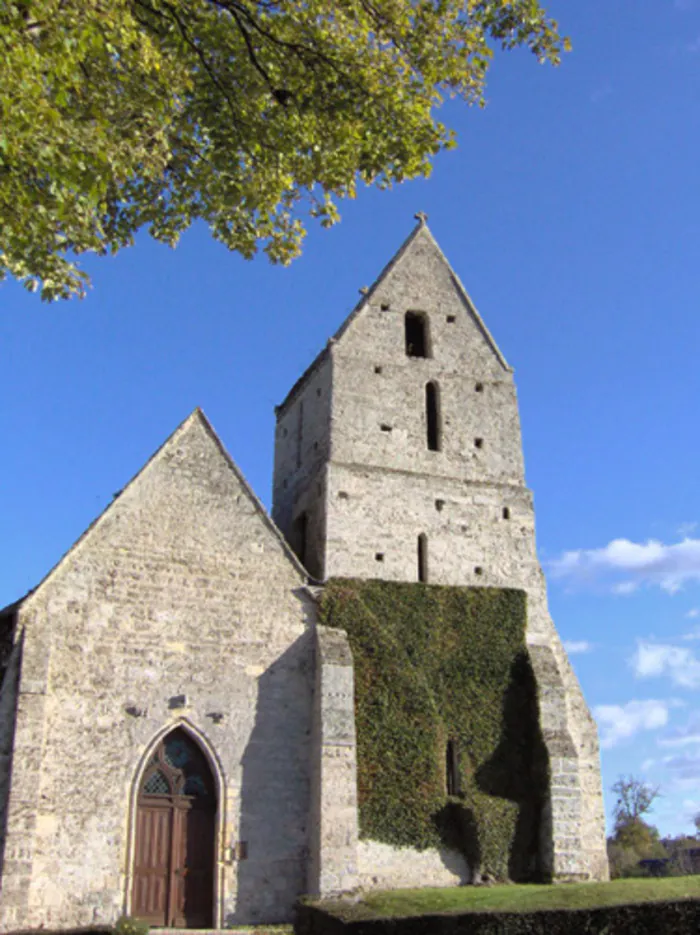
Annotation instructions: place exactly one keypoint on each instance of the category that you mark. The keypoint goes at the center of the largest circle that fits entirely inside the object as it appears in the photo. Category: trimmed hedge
(84, 930)
(651, 918)
(437, 664)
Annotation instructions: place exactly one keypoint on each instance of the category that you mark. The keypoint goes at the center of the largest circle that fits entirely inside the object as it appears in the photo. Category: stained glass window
(177, 751)
(181, 769)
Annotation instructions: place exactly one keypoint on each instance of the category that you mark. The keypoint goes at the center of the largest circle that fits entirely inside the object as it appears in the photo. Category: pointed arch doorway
(173, 883)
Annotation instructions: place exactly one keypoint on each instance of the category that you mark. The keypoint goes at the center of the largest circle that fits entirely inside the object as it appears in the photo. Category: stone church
(177, 730)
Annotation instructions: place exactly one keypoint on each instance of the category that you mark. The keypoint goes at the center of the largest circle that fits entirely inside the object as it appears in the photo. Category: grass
(529, 897)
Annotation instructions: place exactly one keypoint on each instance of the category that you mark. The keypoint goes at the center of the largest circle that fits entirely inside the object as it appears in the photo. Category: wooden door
(175, 837)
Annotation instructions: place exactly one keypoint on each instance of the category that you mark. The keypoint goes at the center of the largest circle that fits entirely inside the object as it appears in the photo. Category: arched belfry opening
(417, 334)
(174, 859)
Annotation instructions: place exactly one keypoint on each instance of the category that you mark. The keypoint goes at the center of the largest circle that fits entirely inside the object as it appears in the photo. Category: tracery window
(178, 767)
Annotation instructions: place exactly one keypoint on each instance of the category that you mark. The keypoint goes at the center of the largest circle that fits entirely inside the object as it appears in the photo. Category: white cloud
(685, 529)
(666, 566)
(686, 736)
(685, 766)
(687, 741)
(620, 722)
(577, 647)
(693, 612)
(625, 587)
(659, 659)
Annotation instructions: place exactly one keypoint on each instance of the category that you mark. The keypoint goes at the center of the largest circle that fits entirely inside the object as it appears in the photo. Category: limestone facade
(379, 471)
(183, 606)
(180, 606)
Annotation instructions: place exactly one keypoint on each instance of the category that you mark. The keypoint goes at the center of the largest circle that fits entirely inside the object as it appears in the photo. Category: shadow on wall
(275, 792)
(9, 684)
(517, 773)
(459, 831)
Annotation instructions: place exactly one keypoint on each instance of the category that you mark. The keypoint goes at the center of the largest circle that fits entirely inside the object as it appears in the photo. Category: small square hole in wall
(479, 387)
(343, 495)
(464, 528)
(379, 556)
(377, 369)
(284, 484)
(478, 442)
(385, 428)
(315, 446)
(318, 392)
(451, 319)
(439, 504)
(385, 306)
(506, 512)
(284, 433)
(478, 570)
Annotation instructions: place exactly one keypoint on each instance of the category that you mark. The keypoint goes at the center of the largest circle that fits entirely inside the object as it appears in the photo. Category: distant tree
(634, 799)
(696, 822)
(633, 839)
(121, 114)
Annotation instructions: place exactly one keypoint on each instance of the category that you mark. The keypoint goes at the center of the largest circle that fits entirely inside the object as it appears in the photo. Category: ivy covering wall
(437, 664)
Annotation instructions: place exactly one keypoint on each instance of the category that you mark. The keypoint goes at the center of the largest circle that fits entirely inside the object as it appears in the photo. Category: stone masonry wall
(381, 866)
(384, 488)
(182, 588)
(8, 711)
(302, 441)
(334, 830)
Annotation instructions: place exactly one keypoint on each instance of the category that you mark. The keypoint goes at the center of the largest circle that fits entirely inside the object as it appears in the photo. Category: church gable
(189, 510)
(180, 609)
(419, 286)
(417, 279)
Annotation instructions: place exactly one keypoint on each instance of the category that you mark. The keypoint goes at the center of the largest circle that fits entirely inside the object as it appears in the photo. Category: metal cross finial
(421, 216)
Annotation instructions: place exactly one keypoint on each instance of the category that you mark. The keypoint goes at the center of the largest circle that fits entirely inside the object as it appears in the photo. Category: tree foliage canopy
(122, 114)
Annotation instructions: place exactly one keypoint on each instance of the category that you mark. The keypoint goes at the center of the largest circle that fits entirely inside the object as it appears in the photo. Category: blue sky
(571, 212)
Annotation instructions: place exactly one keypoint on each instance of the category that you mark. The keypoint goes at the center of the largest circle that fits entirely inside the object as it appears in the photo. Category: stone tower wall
(383, 488)
(302, 451)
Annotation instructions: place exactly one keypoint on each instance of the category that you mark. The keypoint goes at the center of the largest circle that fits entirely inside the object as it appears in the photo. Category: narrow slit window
(506, 512)
(423, 558)
(452, 768)
(432, 415)
(417, 338)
